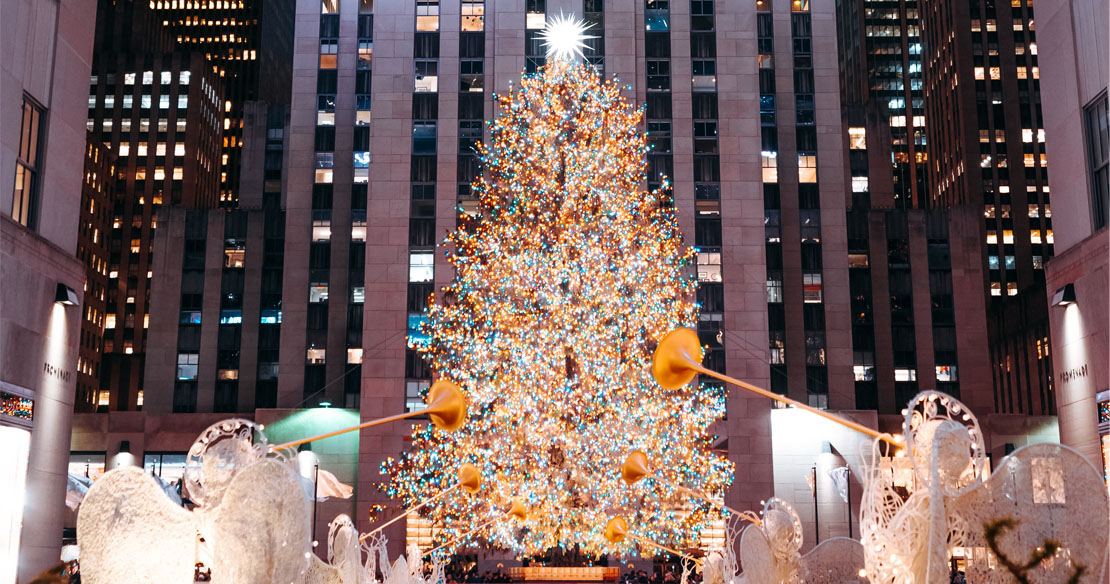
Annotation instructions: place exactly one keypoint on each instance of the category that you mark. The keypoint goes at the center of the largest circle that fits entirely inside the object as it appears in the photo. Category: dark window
(704, 106)
(425, 106)
(362, 138)
(472, 45)
(363, 84)
(426, 45)
(365, 26)
(423, 169)
(322, 196)
(227, 395)
(1098, 150)
(329, 26)
(185, 397)
(703, 45)
(470, 106)
(657, 45)
(325, 138)
(326, 81)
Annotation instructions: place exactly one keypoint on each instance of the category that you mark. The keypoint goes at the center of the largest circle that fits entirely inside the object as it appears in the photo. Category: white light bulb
(563, 37)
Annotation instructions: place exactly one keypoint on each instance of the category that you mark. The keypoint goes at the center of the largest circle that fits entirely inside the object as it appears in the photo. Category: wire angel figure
(1047, 492)
(770, 551)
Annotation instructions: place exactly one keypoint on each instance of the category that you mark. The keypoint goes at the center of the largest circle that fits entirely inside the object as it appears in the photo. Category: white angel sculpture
(1040, 494)
(770, 552)
(250, 520)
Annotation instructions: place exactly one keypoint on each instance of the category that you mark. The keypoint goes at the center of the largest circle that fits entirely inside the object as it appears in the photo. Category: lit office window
(317, 293)
(857, 139)
(187, 366)
(314, 356)
(807, 168)
(812, 288)
(473, 15)
(421, 266)
(427, 15)
(709, 267)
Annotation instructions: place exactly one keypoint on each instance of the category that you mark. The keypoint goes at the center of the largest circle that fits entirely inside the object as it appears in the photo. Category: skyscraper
(168, 94)
(246, 43)
(911, 330)
(160, 116)
(988, 169)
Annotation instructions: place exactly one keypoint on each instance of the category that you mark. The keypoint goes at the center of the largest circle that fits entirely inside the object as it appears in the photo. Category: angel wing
(1050, 492)
(835, 561)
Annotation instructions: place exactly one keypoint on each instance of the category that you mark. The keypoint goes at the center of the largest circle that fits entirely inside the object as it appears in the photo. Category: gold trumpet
(677, 360)
(516, 509)
(446, 408)
(636, 467)
(470, 480)
(616, 530)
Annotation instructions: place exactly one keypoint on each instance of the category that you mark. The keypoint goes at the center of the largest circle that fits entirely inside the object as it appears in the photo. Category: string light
(566, 276)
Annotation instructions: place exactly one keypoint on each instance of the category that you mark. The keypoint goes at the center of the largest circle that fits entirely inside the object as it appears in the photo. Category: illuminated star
(563, 37)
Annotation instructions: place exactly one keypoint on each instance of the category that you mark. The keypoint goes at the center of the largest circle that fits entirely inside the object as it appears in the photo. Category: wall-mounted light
(65, 295)
(826, 447)
(1064, 295)
(324, 404)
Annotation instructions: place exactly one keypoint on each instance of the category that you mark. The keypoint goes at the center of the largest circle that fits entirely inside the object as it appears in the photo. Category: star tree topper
(563, 37)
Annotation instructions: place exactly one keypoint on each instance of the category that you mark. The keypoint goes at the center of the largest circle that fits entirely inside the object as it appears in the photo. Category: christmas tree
(566, 277)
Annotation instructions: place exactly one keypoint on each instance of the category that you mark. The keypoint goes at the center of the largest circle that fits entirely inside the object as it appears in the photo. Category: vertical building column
(387, 269)
(743, 256)
(832, 181)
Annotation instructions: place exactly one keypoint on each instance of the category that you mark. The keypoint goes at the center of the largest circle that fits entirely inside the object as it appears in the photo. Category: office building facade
(1074, 63)
(160, 115)
(47, 55)
(97, 206)
(988, 169)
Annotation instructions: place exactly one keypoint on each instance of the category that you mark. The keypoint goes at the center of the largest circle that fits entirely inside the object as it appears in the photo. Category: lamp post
(848, 480)
(315, 499)
(816, 512)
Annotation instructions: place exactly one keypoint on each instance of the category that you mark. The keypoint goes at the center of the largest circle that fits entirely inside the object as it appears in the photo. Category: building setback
(47, 50)
(97, 205)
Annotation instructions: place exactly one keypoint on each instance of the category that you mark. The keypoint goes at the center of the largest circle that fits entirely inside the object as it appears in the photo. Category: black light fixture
(1064, 295)
(125, 446)
(65, 295)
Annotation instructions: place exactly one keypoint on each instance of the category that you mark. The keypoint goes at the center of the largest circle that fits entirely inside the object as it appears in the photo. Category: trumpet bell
(518, 510)
(671, 366)
(446, 405)
(635, 467)
(470, 477)
(616, 530)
